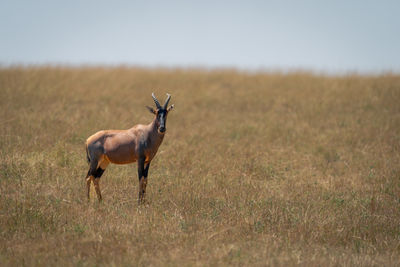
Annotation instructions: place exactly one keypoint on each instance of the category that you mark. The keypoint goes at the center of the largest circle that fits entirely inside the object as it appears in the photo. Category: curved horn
(166, 101)
(156, 101)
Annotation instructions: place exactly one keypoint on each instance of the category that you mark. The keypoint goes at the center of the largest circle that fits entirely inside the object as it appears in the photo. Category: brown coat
(126, 146)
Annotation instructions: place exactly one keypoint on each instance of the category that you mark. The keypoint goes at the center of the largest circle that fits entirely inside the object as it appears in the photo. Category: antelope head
(161, 113)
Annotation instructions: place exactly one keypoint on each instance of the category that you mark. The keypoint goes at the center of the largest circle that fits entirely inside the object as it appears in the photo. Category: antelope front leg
(144, 184)
(141, 179)
(142, 190)
(143, 170)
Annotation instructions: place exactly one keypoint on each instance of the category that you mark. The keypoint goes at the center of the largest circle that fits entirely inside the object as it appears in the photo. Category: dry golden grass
(255, 169)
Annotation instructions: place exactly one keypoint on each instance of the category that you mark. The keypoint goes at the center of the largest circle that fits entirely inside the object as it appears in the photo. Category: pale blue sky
(315, 35)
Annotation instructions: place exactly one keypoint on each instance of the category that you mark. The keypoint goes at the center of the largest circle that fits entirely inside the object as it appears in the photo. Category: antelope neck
(154, 129)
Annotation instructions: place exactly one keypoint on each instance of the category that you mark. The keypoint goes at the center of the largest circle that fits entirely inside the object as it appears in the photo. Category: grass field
(255, 169)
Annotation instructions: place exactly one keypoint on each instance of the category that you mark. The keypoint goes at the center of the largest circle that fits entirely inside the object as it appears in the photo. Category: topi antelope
(139, 143)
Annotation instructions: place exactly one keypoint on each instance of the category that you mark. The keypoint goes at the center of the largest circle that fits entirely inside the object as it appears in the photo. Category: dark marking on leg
(92, 168)
(140, 168)
(98, 173)
(141, 178)
(146, 170)
(144, 181)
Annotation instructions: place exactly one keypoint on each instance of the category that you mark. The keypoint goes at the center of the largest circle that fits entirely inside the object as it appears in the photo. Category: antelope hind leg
(88, 182)
(96, 182)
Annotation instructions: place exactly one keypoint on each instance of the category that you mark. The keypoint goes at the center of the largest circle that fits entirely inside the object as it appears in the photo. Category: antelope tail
(88, 160)
(87, 155)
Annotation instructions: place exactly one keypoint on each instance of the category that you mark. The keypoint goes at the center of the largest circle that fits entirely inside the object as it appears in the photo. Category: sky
(330, 36)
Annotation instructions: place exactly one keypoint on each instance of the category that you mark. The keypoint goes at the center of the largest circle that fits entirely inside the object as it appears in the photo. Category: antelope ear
(170, 107)
(151, 110)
